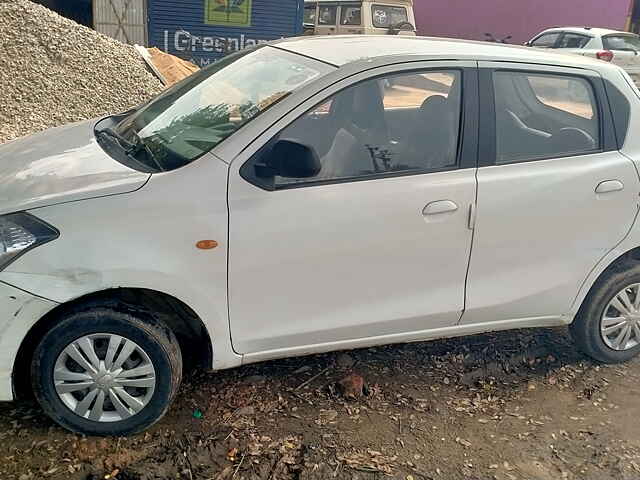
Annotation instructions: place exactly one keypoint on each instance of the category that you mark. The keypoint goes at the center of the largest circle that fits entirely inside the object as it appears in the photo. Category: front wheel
(104, 372)
(607, 326)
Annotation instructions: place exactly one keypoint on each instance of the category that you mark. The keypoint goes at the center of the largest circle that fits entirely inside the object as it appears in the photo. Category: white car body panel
(171, 223)
(294, 278)
(19, 311)
(551, 203)
(390, 285)
(74, 168)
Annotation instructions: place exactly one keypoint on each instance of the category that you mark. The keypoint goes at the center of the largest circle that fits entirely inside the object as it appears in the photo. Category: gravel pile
(54, 71)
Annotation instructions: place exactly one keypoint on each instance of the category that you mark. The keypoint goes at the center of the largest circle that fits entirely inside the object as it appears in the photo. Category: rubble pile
(54, 71)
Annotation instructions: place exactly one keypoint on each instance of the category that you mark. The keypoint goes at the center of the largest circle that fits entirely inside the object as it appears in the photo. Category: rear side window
(573, 40)
(385, 16)
(351, 15)
(544, 116)
(548, 40)
(622, 42)
(327, 15)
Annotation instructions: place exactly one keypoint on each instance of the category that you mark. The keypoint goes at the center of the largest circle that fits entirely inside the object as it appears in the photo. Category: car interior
(363, 136)
(529, 128)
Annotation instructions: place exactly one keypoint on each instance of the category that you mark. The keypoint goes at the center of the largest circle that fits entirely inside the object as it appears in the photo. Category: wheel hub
(620, 323)
(104, 377)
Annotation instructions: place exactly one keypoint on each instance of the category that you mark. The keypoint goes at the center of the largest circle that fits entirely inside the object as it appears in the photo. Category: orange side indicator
(207, 244)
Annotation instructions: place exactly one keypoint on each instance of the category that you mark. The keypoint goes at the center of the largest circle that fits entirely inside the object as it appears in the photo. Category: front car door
(554, 193)
(546, 40)
(376, 246)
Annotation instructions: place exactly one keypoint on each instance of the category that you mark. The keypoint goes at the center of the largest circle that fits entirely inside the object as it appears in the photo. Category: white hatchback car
(312, 195)
(620, 48)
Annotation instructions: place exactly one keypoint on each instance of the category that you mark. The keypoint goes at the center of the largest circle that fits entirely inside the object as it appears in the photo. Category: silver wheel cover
(620, 322)
(104, 377)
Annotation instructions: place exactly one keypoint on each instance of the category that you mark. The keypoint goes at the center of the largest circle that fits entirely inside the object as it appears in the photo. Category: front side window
(544, 116)
(548, 40)
(405, 123)
(573, 40)
(351, 15)
(629, 43)
(195, 115)
(327, 15)
(386, 16)
(310, 14)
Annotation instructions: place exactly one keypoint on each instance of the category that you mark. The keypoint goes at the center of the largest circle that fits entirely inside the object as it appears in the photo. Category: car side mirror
(289, 158)
(527, 44)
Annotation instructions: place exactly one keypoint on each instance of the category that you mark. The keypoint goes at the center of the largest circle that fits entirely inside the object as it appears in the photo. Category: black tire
(157, 341)
(585, 329)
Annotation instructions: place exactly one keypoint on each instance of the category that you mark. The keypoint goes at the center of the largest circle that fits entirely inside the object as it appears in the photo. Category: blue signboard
(202, 31)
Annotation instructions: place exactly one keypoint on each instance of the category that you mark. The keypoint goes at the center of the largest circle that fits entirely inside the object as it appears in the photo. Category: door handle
(609, 186)
(440, 206)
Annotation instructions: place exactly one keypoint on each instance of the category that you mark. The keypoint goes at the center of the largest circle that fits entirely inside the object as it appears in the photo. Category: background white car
(619, 48)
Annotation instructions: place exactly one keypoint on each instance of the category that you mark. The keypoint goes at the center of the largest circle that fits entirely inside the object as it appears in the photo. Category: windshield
(622, 42)
(385, 16)
(198, 113)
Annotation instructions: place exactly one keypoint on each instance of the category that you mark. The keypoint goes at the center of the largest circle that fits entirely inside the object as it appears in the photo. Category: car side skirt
(420, 336)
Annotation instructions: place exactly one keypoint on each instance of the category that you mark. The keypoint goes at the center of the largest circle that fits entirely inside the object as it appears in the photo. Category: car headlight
(19, 233)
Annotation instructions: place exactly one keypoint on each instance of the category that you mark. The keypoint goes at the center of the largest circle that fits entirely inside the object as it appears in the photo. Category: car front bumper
(19, 311)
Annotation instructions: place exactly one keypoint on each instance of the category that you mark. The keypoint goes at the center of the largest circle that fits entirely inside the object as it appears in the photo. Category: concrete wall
(521, 18)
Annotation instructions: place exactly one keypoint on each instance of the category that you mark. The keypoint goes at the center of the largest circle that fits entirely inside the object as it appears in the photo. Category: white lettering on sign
(183, 41)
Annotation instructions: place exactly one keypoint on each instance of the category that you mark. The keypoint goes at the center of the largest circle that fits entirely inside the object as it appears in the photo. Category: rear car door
(375, 247)
(327, 22)
(554, 193)
(571, 42)
(350, 19)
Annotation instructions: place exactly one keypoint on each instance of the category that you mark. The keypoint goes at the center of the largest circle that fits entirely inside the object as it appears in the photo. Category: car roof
(597, 32)
(340, 50)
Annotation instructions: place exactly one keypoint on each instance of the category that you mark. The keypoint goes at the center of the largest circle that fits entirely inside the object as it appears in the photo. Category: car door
(375, 246)
(351, 19)
(327, 22)
(572, 42)
(545, 40)
(554, 193)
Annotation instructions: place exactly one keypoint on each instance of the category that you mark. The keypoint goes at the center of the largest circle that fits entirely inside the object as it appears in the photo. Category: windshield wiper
(130, 149)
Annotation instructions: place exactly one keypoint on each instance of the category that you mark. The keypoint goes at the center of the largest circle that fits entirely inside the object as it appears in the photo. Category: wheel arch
(609, 264)
(193, 336)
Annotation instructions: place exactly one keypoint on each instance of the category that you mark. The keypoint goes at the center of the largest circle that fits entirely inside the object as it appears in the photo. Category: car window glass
(193, 116)
(544, 116)
(351, 15)
(621, 42)
(570, 94)
(310, 14)
(548, 40)
(327, 15)
(385, 16)
(402, 123)
(573, 40)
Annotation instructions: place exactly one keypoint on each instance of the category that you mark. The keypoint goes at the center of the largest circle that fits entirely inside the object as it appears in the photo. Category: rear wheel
(104, 372)
(607, 326)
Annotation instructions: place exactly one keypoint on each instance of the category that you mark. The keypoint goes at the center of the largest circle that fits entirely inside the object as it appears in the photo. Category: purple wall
(521, 18)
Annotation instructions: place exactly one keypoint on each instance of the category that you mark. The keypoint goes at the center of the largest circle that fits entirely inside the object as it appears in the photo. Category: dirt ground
(508, 406)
